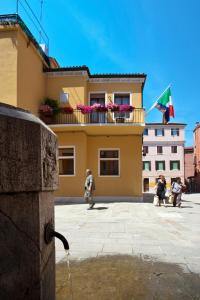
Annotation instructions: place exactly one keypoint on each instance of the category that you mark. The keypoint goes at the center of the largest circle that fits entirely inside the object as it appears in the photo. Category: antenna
(17, 6)
(41, 11)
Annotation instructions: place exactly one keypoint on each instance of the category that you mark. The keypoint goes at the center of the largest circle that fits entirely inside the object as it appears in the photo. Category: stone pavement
(165, 234)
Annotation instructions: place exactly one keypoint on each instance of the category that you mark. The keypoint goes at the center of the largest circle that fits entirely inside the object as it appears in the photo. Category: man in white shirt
(89, 188)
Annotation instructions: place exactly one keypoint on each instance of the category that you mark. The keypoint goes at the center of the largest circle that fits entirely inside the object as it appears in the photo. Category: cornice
(67, 73)
(116, 80)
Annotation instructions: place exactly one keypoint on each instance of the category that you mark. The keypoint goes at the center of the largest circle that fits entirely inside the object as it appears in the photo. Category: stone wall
(28, 177)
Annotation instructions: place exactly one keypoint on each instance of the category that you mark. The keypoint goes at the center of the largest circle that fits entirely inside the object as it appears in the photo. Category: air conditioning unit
(44, 48)
(120, 120)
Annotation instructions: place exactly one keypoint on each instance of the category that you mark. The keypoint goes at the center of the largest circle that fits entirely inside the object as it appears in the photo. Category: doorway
(146, 184)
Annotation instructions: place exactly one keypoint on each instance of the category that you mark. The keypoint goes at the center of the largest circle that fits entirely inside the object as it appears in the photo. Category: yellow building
(109, 143)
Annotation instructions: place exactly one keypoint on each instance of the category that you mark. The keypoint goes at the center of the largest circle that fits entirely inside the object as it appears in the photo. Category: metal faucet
(49, 233)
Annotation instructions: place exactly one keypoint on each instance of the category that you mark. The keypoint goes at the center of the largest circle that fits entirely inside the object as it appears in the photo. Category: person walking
(177, 188)
(89, 188)
(161, 189)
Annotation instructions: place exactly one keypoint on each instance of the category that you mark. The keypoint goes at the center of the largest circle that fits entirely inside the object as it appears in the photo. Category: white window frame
(100, 159)
(67, 96)
(67, 157)
(163, 131)
(177, 131)
(131, 101)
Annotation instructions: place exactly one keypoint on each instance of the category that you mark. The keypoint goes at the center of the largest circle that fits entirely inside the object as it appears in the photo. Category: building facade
(163, 153)
(109, 143)
(197, 156)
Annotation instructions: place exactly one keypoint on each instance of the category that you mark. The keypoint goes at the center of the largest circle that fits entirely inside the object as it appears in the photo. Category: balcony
(136, 117)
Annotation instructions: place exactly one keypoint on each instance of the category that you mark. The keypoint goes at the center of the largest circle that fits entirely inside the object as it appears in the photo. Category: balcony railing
(134, 117)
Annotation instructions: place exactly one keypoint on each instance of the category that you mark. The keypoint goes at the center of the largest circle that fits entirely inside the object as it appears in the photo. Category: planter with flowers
(113, 107)
(122, 112)
(85, 109)
(67, 110)
(99, 108)
(48, 109)
(126, 108)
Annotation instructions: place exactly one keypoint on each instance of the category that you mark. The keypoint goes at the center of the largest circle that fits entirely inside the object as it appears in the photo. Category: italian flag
(164, 103)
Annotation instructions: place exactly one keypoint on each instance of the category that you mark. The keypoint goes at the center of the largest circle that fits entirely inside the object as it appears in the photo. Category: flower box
(99, 108)
(113, 107)
(45, 110)
(84, 109)
(67, 110)
(126, 108)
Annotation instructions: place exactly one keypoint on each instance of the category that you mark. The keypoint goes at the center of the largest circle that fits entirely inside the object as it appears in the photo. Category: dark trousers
(174, 200)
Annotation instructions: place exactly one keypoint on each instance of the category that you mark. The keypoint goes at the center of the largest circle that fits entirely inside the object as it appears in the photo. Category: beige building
(108, 142)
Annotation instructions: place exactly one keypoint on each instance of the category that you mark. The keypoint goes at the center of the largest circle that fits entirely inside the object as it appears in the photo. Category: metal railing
(134, 117)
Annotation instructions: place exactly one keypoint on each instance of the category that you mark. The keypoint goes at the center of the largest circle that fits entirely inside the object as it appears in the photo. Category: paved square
(166, 234)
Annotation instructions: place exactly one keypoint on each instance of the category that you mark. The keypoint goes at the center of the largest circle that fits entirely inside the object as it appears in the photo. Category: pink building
(163, 153)
(189, 162)
(197, 156)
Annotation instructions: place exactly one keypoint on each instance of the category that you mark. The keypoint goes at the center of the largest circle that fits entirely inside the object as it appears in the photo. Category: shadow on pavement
(124, 277)
(100, 208)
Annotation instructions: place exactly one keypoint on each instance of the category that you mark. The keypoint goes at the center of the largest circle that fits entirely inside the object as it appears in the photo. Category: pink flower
(113, 107)
(99, 107)
(45, 108)
(125, 108)
(84, 109)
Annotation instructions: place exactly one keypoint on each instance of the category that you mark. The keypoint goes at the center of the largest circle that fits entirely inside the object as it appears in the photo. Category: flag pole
(158, 99)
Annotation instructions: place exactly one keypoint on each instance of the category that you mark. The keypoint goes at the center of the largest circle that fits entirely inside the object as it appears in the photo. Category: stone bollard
(28, 177)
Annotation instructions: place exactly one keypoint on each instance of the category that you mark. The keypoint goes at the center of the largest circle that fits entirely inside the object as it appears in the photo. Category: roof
(197, 126)
(188, 150)
(13, 19)
(100, 75)
(169, 124)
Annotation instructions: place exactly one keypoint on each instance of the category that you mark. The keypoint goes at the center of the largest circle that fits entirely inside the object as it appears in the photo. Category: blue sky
(158, 37)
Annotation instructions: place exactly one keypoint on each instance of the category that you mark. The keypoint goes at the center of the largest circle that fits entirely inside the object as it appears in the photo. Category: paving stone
(164, 234)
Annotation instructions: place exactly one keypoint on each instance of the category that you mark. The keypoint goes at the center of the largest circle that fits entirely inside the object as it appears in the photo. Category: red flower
(67, 110)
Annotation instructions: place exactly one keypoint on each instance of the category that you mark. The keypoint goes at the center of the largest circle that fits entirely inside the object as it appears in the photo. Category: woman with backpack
(177, 189)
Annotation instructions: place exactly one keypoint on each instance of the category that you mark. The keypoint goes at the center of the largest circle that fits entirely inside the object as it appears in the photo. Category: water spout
(62, 238)
(49, 233)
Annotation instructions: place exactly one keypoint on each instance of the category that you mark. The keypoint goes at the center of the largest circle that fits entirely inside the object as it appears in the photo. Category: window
(145, 150)
(66, 160)
(159, 132)
(160, 165)
(173, 149)
(97, 117)
(122, 99)
(146, 165)
(146, 184)
(174, 164)
(159, 149)
(97, 98)
(64, 98)
(175, 131)
(146, 131)
(109, 162)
